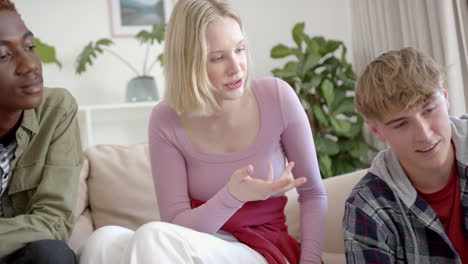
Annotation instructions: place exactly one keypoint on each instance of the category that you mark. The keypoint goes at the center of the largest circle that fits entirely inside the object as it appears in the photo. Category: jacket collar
(30, 121)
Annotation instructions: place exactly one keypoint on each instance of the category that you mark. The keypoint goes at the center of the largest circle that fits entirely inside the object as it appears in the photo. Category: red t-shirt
(447, 205)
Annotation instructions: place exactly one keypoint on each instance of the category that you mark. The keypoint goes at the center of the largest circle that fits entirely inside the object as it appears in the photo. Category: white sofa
(116, 188)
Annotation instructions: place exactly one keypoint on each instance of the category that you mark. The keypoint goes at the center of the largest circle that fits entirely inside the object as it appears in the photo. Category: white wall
(269, 22)
(70, 24)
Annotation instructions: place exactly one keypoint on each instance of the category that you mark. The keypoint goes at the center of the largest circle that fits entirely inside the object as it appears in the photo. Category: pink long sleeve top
(181, 172)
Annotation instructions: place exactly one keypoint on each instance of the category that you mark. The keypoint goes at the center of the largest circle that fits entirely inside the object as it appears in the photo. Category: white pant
(160, 243)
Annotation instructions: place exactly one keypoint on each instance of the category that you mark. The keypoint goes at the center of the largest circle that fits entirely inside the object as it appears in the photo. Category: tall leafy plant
(324, 82)
(148, 38)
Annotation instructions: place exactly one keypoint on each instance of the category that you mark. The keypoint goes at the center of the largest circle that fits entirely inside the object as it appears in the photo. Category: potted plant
(324, 83)
(140, 88)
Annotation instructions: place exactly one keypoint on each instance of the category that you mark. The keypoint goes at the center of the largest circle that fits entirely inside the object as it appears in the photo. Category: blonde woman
(218, 147)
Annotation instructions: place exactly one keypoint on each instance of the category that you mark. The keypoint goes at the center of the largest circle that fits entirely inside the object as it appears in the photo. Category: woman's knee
(107, 236)
(159, 242)
(106, 239)
(108, 233)
(152, 229)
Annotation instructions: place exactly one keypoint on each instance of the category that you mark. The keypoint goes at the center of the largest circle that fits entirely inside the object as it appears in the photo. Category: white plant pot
(140, 89)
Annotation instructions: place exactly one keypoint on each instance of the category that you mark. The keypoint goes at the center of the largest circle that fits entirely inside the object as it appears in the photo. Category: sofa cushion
(292, 212)
(338, 189)
(333, 258)
(82, 230)
(82, 201)
(120, 186)
(83, 224)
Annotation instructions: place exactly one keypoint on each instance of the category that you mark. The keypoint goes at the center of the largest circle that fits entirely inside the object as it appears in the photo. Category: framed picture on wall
(128, 17)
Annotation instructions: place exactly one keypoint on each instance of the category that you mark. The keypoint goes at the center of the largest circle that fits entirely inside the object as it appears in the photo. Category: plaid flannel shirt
(387, 221)
(378, 226)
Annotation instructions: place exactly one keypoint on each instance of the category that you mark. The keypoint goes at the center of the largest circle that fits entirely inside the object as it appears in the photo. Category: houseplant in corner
(142, 87)
(324, 84)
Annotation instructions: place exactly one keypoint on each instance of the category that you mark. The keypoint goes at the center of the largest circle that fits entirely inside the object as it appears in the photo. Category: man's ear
(375, 130)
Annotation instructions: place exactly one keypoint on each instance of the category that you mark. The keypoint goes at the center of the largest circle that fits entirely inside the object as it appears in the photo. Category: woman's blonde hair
(188, 88)
(397, 80)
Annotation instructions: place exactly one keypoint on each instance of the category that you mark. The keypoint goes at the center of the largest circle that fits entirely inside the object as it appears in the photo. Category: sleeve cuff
(228, 200)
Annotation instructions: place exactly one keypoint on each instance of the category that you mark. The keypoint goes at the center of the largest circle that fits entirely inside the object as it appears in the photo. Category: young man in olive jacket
(40, 153)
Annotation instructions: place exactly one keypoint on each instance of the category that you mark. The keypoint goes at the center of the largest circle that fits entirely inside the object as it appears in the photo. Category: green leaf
(359, 149)
(350, 73)
(281, 51)
(327, 92)
(161, 59)
(312, 60)
(325, 164)
(104, 42)
(340, 96)
(356, 147)
(318, 44)
(343, 55)
(291, 66)
(342, 166)
(331, 64)
(280, 73)
(298, 34)
(46, 53)
(156, 34)
(319, 40)
(348, 84)
(355, 129)
(342, 127)
(312, 84)
(332, 45)
(320, 115)
(312, 46)
(89, 52)
(326, 145)
(347, 107)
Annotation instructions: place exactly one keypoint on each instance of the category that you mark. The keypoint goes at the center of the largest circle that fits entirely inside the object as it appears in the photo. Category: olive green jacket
(44, 175)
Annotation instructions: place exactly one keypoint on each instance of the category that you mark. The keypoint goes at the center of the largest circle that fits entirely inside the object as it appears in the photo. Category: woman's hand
(246, 189)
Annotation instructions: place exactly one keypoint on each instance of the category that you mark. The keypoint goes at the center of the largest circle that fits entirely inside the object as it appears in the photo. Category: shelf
(119, 106)
(122, 124)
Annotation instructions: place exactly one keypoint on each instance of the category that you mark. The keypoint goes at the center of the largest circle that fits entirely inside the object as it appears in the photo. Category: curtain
(437, 27)
(461, 23)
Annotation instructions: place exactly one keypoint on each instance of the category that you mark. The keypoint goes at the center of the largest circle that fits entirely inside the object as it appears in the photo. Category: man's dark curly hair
(7, 5)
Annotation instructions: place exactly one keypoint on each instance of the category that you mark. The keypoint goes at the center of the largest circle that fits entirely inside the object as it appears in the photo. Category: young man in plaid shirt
(412, 206)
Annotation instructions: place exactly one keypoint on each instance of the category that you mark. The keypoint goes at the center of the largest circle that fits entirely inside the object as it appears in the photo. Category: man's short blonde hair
(188, 88)
(397, 80)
